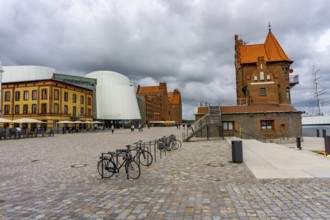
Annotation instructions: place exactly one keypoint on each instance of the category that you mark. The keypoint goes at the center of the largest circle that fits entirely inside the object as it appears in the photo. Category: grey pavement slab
(199, 181)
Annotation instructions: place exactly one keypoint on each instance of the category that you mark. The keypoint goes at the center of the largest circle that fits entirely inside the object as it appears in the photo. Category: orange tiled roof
(174, 98)
(148, 89)
(258, 108)
(271, 50)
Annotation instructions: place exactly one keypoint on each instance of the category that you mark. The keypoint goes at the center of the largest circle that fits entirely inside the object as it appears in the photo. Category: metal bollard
(299, 143)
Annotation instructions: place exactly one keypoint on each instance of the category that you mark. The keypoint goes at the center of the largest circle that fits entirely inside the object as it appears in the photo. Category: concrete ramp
(268, 160)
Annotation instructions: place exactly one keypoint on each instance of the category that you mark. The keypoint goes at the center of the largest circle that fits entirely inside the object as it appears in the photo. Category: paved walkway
(199, 181)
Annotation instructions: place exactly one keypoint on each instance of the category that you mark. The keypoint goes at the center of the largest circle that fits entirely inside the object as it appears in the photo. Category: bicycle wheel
(108, 168)
(133, 169)
(145, 158)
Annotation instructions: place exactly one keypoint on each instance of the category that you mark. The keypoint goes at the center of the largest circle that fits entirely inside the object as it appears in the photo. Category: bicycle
(142, 155)
(168, 143)
(109, 164)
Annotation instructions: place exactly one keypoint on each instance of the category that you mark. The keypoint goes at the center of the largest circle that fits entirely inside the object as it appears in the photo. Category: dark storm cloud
(188, 44)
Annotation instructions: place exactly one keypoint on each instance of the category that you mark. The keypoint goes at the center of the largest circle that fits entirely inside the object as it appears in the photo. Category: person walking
(112, 129)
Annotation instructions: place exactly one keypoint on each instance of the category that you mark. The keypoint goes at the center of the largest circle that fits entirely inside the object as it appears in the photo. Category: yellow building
(46, 100)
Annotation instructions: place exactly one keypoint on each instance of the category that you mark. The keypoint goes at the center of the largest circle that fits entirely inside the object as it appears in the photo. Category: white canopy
(27, 120)
(3, 120)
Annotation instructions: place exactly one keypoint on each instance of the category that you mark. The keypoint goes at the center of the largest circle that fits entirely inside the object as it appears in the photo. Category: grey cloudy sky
(187, 43)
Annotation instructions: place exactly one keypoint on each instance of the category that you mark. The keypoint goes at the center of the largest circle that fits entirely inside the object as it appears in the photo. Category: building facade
(49, 100)
(161, 105)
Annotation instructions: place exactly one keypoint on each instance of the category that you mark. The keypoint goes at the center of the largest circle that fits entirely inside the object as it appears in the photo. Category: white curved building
(115, 96)
(26, 73)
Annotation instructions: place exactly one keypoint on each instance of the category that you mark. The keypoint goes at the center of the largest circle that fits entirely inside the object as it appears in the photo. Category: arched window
(262, 76)
(262, 91)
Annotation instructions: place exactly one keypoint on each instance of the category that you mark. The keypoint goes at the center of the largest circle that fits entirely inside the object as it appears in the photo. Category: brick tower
(262, 72)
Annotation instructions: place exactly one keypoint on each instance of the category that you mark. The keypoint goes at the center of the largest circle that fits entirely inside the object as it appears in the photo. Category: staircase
(209, 123)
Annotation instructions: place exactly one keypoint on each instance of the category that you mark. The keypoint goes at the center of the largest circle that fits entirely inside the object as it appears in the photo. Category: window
(267, 125)
(26, 95)
(34, 95)
(7, 109)
(262, 76)
(74, 98)
(81, 110)
(89, 101)
(17, 96)
(25, 109)
(66, 96)
(65, 109)
(56, 94)
(56, 108)
(44, 108)
(228, 125)
(268, 77)
(74, 111)
(82, 99)
(89, 112)
(262, 91)
(16, 109)
(255, 78)
(34, 108)
(288, 93)
(7, 96)
(44, 94)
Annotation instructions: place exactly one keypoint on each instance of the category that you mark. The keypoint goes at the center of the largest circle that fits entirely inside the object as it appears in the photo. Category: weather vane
(269, 27)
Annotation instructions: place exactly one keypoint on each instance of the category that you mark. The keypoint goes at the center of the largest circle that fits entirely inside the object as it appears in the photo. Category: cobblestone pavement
(37, 181)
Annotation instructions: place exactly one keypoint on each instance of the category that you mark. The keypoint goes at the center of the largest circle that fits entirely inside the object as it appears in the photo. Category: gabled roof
(271, 50)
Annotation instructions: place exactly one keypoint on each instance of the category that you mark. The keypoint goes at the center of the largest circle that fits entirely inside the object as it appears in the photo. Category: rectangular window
(44, 94)
(16, 109)
(81, 111)
(34, 95)
(26, 95)
(89, 101)
(56, 94)
(65, 109)
(7, 109)
(7, 96)
(262, 91)
(56, 108)
(25, 109)
(82, 99)
(66, 97)
(44, 108)
(74, 110)
(89, 112)
(267, 125)
(17, 95)
(228, 125)
(74, 98)
(34, 108)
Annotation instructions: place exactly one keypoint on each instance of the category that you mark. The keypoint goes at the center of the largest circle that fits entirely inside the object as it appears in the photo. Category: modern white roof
(115, 96)
(26, 73)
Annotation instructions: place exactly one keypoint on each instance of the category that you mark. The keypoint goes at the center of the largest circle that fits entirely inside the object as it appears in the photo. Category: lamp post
(1, 71)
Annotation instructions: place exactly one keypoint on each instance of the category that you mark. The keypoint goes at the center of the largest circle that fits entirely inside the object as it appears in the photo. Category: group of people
(140, 128)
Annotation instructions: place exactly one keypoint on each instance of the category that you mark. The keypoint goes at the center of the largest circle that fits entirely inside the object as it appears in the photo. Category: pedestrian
(132, 128)
(183, 125)
(112, 129)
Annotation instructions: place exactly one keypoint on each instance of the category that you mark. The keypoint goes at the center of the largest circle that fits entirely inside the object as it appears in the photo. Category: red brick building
(161, 105)
(263, 84)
